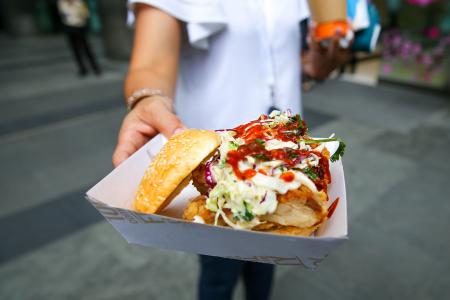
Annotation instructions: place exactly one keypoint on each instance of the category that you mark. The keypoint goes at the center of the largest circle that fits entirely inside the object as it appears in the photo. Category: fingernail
(179, 130)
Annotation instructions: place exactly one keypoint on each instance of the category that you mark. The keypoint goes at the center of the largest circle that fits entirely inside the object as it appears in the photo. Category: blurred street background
(58, 130)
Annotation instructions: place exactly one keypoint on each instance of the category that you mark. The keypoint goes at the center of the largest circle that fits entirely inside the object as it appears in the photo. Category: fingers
(148, 118)
(122, 152)
(315, 46)
(158, 115)
(312, 42)
(132, 136)
(333, 48)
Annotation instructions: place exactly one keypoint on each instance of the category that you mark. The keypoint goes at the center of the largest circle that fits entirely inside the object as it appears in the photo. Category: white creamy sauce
(274, 113)
(269, 164)
(245, 165)
(279, 185)
(277, 144)
(304, 146)
(311, 161)
(267, 205)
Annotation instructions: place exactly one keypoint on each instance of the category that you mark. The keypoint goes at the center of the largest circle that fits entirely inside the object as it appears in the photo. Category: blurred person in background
(75, 17)
(223, 63)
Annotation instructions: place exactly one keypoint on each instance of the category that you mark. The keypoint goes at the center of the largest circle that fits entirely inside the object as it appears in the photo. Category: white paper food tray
(114, 194)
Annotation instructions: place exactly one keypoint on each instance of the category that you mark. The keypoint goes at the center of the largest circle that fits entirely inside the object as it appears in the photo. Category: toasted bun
(171, 169)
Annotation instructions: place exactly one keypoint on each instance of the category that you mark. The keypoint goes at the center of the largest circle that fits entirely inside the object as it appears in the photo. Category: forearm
(155, 55)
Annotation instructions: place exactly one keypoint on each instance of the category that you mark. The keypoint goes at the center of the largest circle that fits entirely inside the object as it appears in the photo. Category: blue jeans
(218, 277)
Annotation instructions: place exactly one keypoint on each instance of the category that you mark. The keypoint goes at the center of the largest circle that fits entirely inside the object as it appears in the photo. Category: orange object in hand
(328, 30)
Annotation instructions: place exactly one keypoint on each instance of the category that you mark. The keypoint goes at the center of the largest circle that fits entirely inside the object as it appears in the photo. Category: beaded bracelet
(138, 95)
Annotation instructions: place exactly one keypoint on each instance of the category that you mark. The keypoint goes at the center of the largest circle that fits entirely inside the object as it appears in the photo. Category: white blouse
(240, 58)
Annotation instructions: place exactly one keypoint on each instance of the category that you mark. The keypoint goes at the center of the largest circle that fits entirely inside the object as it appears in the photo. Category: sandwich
(267, 175)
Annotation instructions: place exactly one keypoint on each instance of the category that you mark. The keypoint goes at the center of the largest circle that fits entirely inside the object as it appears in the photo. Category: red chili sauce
(256, 133)
(291, 131)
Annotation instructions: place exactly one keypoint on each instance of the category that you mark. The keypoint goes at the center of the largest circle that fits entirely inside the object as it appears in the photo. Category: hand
(320, 61)
(149, 117)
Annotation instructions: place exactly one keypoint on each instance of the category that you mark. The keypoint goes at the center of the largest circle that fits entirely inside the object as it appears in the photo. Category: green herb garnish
(261, 156)
(282, 169)
(313, 175)
(260, 141)
(339, 152)
(233, 145)
(248, 216)
(297, 118)
(293, 155)
(312, 141)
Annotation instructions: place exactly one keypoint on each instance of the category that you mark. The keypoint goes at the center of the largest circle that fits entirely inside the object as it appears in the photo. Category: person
(74, 17)
(223, 63)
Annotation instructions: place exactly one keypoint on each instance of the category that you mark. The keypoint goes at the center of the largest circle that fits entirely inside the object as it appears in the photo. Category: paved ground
(57, 133)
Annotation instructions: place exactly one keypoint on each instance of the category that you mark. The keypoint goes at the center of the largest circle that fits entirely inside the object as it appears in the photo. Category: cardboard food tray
(113, 197)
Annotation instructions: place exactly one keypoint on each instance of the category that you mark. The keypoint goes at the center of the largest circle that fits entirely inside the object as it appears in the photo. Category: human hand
(319, 61)
(149, 117)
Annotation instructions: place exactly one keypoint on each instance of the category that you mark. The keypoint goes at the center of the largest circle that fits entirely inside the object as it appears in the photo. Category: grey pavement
(57, 133)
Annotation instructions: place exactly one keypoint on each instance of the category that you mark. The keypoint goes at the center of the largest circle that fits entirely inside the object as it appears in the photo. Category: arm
(154, 64)
(155, 55)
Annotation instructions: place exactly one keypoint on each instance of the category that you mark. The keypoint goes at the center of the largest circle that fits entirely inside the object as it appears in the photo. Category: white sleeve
(203, 18)
(304, 10)
(361, 17)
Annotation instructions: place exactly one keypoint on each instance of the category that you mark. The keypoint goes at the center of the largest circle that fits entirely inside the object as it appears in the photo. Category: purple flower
(396, 41)
(387, 69)
(416, 49)
(426, 60)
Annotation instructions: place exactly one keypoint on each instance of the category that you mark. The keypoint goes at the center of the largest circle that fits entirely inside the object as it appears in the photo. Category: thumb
(168, 124)
(159, 116)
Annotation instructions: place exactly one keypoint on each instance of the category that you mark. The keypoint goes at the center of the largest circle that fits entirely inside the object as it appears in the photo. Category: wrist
(149, 103)
(147, 93)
